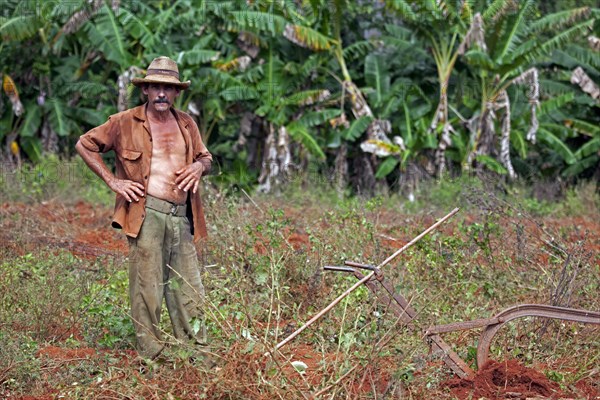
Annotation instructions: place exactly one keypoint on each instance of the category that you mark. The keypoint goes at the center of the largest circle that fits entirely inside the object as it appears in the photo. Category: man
(160, 159)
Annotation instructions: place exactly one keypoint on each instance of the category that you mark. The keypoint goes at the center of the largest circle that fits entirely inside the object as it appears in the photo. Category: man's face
(160, 95)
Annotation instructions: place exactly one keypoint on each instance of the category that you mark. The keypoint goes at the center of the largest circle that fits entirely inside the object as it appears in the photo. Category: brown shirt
(128, 134)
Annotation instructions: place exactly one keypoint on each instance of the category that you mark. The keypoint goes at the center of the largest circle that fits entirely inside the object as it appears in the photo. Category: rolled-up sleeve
(102, 138)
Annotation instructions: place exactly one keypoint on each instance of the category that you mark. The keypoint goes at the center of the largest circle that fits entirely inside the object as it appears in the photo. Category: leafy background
(318, 87)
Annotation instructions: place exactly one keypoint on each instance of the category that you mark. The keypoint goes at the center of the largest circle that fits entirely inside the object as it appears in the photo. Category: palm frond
(307, 97)
(402, 44)
(497, 9)
(589, 148)
(32, 120)
(408, 136)
(198, 56)
(214, 108)
(556, 144)
(568, 60)
(584, 127)
(517, 141)
(32, 146)
(404, 9)
(548, 106)
(480, 59)
(584, 55)
(291, 11)
(565, 36)
(357, 128)
(87, 88)
(390, 106)
(358, 50)
(376, 76)
(81, 16)
(580, 166)
(437, 9)
(520, 55)
(491, 163)
(239, 93)
(220, 8)
(398, 31)
(165, 19)
(204, 41)
(307, 37)
(59, 121)
(300, 134)
(554, 88)
(258, 20)
(137, 28)
(511, 37)
(91, 116)
(106, 35)
(309, 66)
(315, 118)
(219, 78)
(386, 167)
(19, 27)
(559, 20)
(253, 75)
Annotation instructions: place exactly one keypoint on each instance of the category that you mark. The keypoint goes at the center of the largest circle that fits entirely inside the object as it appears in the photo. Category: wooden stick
(363, 280)
(320, 392)
(416, 239)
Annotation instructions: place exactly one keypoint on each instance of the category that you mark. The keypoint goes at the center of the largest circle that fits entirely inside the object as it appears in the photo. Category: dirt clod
(505, 380)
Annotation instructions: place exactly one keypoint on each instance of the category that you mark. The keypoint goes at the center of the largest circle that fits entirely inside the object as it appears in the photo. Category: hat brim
(169, 80)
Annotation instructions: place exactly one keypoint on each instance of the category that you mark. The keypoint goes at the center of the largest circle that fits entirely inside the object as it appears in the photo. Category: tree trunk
(341, 170)
(364, 179)
(277, 159)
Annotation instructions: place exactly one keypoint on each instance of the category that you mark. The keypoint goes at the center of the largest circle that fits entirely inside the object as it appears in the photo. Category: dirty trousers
(163, 263)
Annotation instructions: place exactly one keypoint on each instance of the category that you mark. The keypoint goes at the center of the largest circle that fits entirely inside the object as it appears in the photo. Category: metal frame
(491, 326)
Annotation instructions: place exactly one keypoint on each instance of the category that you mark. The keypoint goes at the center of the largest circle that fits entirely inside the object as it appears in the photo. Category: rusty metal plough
(375, 281)
(406, 313)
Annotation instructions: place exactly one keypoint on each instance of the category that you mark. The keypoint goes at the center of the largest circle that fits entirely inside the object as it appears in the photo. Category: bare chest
(167, 141)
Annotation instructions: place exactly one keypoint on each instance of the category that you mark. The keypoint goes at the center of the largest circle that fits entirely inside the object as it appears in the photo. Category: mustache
(159, 101)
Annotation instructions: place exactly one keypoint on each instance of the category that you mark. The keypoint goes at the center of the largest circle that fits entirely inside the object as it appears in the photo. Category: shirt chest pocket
(132, 163)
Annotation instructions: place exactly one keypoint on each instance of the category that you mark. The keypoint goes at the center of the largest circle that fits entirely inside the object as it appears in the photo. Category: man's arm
(126, 188)
(189, 176)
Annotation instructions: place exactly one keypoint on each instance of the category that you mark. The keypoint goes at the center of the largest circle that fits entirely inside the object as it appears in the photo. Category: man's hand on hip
(129, 189)
(188, 177)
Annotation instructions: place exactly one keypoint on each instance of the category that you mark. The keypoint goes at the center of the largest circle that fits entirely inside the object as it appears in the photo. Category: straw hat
(162, 70)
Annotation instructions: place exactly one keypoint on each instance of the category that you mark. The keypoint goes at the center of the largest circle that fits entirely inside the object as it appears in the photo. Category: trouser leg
(146, 261)
(184, 292)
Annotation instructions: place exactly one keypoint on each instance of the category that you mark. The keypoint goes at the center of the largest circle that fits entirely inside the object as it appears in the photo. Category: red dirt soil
(81, 228)
(64, 354)
(510, 380)
(85, 231)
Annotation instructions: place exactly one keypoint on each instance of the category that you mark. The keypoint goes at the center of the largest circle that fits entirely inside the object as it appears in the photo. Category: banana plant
(393, 82)
(511, 44)
(47, 77)
(281, 95)
(445, 27)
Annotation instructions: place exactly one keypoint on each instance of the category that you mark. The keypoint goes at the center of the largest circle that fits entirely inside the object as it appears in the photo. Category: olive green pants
(163, 263)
